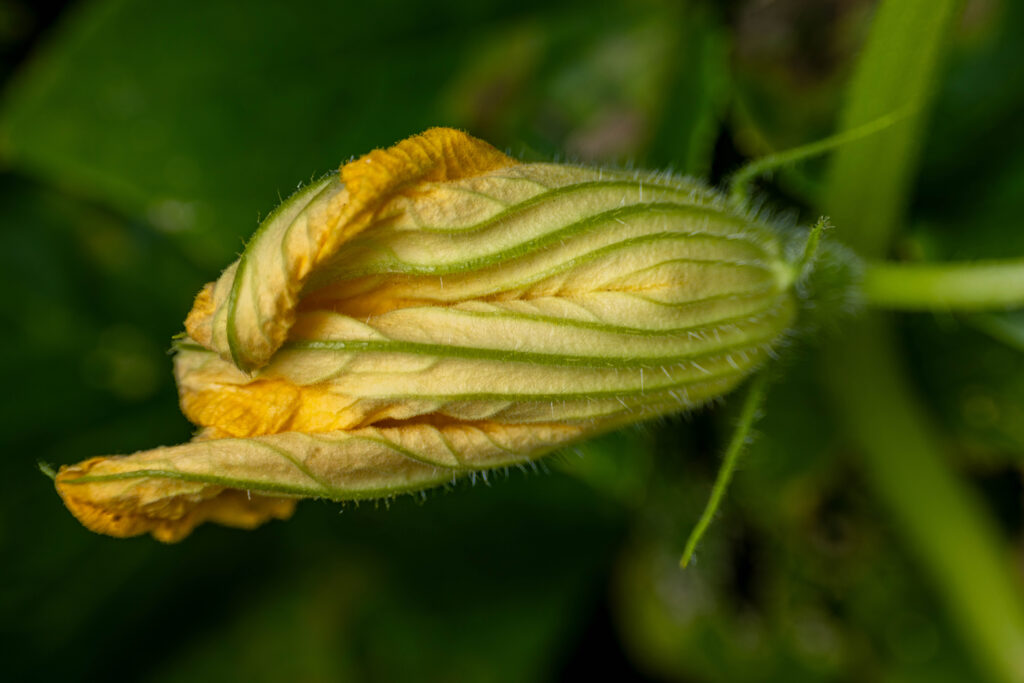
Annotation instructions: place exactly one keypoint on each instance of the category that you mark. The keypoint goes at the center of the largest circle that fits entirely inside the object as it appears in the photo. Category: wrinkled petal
(246, 314)
(240, 482)
(438, 308)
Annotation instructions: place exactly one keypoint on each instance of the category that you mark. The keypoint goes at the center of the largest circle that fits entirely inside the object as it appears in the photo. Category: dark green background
(141, 142)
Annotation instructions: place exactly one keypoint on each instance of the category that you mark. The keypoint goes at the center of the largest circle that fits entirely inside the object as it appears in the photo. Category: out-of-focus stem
(938, 516)
(977, 286)
(867, 192)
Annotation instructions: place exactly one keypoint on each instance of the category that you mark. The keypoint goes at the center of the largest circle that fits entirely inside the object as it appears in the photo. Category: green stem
(748, 416)
(979, 286)
(866, 196)
(942, 521)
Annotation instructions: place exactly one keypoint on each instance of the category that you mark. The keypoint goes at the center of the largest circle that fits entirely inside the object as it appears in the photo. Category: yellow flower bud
(435, 309)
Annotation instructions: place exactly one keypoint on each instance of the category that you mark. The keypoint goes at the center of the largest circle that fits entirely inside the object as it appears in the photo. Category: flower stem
(978, 286)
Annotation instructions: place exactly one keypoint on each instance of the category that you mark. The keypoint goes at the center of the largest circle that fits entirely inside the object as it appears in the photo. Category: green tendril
(739, 184)
(748, 416)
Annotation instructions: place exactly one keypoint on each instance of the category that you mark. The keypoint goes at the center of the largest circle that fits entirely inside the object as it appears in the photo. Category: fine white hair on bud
(438, 309)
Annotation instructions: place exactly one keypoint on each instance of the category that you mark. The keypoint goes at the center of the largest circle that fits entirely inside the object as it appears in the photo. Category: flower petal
(245, 482)
(246, 314)
(439, 309)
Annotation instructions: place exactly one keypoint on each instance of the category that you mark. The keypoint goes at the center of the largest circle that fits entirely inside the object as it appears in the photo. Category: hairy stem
(740, 437)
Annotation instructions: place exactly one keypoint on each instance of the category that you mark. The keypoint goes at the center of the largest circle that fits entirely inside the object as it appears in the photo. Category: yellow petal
(525, 293)
(130, 507)
(240, 482)
(438, 309)
(246, 314)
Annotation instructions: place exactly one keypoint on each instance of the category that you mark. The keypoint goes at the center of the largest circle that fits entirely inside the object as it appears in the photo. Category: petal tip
(121, 508)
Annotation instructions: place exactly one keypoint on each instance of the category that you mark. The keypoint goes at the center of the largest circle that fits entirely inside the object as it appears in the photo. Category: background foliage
(140, 144)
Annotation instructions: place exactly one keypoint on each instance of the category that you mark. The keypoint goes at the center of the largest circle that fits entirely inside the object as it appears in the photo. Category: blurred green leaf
(453, 589)
(637, 83)
(198, 118)
(1007, 328)
(972, 181)
(974, 381)
(869, 182)
(972, 174)
(795, 582)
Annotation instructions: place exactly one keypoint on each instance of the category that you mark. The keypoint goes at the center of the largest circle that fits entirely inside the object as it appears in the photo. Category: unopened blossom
(438, 308)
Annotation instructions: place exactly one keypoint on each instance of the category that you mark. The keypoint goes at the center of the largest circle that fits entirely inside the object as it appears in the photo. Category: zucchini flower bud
(436, 309)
